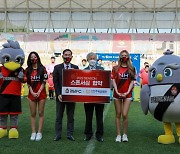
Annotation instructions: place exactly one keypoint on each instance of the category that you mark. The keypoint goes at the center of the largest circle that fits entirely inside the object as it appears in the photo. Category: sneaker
(118, 138)
(33, 136)
(124, 138)
(38, 136)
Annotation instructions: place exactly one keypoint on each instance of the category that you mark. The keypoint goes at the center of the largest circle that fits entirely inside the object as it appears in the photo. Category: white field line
(90, 147)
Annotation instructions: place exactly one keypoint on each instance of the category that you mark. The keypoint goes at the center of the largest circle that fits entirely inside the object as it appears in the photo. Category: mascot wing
(144, 98)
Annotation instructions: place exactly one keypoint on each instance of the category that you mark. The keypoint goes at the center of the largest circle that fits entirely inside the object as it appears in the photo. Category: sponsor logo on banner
(85, 91)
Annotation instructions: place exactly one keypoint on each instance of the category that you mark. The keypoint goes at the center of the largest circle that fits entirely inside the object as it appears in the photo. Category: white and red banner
(86, 86)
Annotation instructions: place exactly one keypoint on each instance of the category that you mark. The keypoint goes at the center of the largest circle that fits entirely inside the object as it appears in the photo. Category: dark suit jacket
(97, 68)
(57, 78)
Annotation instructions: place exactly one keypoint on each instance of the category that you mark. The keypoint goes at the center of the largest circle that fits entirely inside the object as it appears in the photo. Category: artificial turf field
(142, 133)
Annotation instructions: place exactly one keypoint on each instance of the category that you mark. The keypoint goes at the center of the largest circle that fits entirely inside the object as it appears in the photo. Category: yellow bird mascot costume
(11, 76)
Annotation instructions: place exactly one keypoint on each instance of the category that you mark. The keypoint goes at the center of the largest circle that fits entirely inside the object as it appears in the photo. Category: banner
(87, 86)
(121, 42)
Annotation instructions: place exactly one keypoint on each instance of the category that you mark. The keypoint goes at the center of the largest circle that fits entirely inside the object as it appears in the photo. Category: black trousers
(51, 93)
(60, 107)
(89, 109)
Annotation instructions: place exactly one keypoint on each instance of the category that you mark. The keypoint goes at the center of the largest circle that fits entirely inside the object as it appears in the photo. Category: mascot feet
(166, 139)
(3, 132)
(13, 133)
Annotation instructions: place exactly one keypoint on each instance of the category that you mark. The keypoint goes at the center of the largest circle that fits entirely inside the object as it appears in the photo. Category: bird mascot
(11, 76)
(161, 96)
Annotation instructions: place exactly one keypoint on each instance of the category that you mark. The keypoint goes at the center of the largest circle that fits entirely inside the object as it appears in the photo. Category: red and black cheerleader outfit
(123, 79)
(36, 80)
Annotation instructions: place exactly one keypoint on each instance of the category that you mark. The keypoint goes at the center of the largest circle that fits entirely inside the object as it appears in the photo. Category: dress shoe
(71, 138)
(87, 138)
(57, 138)
(100, 139)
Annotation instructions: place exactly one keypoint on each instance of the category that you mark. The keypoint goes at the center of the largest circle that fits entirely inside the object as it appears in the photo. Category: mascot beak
(12, 66)
(159, 77)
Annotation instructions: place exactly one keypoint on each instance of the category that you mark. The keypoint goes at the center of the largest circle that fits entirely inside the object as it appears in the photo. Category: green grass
(143, 132)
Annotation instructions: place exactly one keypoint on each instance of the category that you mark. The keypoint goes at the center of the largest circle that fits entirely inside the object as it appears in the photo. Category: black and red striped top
(9, 82)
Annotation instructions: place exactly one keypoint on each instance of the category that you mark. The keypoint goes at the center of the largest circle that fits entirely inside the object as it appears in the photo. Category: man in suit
(89, 107)
(60, 106)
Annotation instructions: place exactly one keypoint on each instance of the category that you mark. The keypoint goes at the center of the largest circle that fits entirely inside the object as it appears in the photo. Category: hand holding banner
(92, 86)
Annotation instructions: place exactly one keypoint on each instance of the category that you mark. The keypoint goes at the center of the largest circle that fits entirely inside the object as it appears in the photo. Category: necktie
(67, 67)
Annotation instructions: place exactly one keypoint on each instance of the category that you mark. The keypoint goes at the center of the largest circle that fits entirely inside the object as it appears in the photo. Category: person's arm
(115, 87)
(113, 80)
(28, 84)
(56, 83)
(40, 89)
(31, 91)
(130, 88)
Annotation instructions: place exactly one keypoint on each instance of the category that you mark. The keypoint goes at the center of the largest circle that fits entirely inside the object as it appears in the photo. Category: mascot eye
(6, 59)
(167, 72)
(19, 60)
(153, 73)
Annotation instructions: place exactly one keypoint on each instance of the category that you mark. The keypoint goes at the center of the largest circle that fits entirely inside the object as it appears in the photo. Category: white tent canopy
(90, 15)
